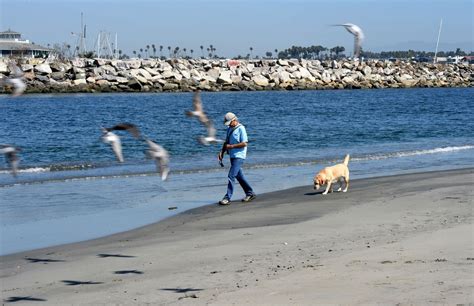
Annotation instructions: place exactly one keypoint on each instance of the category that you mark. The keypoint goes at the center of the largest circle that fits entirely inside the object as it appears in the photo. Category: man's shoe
(224, 201)
(249, 198)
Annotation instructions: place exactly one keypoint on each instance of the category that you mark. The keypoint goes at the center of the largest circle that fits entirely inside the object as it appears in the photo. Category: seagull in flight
(11, 156)
(129, 127)
(15, 80)
(114, 140)
(161, 157)
(358, 36)
(211, 136)
(199, 113)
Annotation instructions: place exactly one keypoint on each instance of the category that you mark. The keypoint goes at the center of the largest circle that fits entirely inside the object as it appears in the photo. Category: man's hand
(219, 156)
(229, 146)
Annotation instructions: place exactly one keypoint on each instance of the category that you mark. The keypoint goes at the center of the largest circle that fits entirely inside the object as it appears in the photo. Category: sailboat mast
(437, 43)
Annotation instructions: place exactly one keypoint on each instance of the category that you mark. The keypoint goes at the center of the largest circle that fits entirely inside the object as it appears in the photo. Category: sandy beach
(401, 239)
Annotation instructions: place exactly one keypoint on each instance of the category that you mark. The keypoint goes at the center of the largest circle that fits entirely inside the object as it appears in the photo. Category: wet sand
(400, 239)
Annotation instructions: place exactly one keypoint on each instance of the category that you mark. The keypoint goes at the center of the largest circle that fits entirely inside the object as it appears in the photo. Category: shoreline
(209, 208)
(276, 248)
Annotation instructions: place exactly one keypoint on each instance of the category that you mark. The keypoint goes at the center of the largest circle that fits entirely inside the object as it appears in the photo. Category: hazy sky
(233, 26)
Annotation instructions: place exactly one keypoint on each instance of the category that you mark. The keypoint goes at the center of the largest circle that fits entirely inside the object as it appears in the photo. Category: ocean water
(70, 187)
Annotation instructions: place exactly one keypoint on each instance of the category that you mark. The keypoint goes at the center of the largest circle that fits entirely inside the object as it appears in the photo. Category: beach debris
(11, 156)
(441, 260)
(192, 296)
(358, 36)
(172, 207)
(198, 112)
(161, 157)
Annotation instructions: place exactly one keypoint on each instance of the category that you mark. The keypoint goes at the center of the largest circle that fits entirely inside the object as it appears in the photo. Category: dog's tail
(346, 160)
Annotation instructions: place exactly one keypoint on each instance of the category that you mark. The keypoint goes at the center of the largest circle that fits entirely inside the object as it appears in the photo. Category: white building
(11, 45)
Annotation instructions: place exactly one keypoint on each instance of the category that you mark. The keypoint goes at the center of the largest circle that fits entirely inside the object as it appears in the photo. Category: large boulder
(134, 64)
(367, 70)
(284, 76)
(151, 71)
(43, 69)
(4, 67)
(27, 67)
(80, 82)
(119, 65)
(225, 77)
(305, 74)
(283, 62)
(214, 73)
(78, 62)
(260, 80)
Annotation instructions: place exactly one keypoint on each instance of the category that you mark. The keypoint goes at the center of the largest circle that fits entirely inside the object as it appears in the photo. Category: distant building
(11, 45)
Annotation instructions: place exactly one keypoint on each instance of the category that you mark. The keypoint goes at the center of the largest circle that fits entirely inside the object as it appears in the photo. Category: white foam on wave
(414, 153)
(28, 170)
(35, 169)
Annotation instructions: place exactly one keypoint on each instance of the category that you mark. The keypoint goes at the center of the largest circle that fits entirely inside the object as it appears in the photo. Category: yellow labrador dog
(330, 175)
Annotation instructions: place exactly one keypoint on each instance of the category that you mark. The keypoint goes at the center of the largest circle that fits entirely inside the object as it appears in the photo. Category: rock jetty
(182, 75)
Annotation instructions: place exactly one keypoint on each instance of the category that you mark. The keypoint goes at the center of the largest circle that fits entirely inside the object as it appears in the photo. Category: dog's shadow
(314, 193)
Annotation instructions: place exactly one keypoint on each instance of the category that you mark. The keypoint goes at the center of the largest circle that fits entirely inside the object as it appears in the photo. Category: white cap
(229, 117)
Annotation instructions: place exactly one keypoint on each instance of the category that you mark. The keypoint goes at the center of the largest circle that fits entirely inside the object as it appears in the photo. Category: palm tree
(251, 49)
(169, 50)
(191, 52)
(68, 50)
(154, 50)
(134, 53)
(141, 51)
(120, 53)
(161, 51)
(184, 50)
(202, 50)
(276, 53)
(176, 52)
(211, 48)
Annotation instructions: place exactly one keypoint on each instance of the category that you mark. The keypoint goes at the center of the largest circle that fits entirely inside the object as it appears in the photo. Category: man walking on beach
(236, 146)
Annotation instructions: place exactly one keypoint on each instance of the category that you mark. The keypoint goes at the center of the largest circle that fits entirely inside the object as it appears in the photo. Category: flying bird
(114, 140)
(161, 157)
(198, 110)
(211, 136)
(358, 36)
(11, 156)
(14, 80)
(129, 127)
(199, 113)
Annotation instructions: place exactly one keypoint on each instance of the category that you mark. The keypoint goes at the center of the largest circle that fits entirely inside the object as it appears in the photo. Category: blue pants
(235, 172)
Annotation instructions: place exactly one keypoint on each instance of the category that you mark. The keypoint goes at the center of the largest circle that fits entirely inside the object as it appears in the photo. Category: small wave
(66, 167)
(413, 153)
(28, 170)
(113, 173)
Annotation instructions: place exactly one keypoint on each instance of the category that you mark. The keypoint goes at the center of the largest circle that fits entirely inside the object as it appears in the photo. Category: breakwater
(175, 75)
